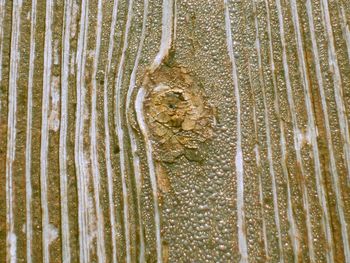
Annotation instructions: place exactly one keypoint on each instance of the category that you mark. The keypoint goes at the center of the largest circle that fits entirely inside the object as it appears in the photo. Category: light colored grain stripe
(167, 28)
(321, 192)
(261, 200)
(345, 28)
(330, 255)
(149, 154)
(175, 21)
(296, 130)
(334, 68)
(273, 176)
(110, 174)
(242, 238)
(11, 239)
(66, 257)
(294, 232)
(268, 141)
(45, 132)
(28, 162)
(101, 251)
(82, 173)
(2, 16)
(120, 132)
(132, 136)
(343, 123)
(261, 190)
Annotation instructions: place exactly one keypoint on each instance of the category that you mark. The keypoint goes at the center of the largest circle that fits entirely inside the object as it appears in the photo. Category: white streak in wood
(261, 200)
(330, 254)
(2, 27)
(75, 19)
(345, 28)
(294, 232)
(66, 257)
(11, 241)
(259, 166)
(45, 131)
(295, 130)
(338, 92)
(312, 133)
(54, 119)
(149, 154)
(132, 136)
(257, 155)
(52, 233)
(120, 133)
(175, 21)
(167, 28)
(268, 141)
(80, 163)
(101, 251)
(242, 238)
(273, 179)
(110, 174)
(12, 252)
(28, 162)
(343, 123)
(56, 52)
(72, 63)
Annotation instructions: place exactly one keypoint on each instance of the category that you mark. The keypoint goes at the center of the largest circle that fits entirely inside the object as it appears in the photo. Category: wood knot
(177, 114)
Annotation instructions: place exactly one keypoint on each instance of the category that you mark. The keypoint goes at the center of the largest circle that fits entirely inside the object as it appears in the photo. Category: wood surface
(174, 131)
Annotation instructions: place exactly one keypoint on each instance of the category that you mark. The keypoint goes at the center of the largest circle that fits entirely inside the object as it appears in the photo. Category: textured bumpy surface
(174, 131)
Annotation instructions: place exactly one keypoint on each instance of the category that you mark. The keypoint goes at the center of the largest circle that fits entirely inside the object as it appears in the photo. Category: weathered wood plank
(174, 131)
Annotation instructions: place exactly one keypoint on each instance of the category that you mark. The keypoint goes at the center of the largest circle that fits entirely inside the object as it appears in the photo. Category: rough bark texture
(174, 131)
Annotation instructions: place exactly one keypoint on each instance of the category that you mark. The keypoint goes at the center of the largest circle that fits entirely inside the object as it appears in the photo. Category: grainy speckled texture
(174, 131)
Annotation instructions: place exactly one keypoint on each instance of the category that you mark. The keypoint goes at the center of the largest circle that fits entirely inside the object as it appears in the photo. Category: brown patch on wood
(162, 178)
(165, 252)
(177, 113)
